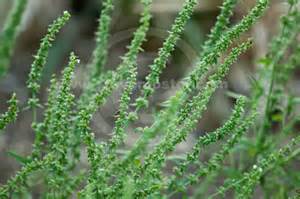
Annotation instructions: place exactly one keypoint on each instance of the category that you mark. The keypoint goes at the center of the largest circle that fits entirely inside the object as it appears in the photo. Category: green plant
(9, 34)
(140, 172)
(11, 113)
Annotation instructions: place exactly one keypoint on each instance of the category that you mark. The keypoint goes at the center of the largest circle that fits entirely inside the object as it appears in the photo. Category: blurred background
(78, 36)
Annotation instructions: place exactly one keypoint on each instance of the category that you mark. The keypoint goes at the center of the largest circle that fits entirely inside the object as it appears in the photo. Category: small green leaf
(22, 160)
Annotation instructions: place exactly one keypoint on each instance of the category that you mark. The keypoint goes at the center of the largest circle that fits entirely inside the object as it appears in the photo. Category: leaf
(265, 61)
(22, 160)
(277, 117)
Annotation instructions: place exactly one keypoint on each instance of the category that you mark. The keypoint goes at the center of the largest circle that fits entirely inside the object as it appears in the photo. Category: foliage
(9, 34)
(140, 172)
(11, 113)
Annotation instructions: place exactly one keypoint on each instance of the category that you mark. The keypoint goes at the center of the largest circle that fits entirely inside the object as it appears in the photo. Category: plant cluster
(140, 171)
